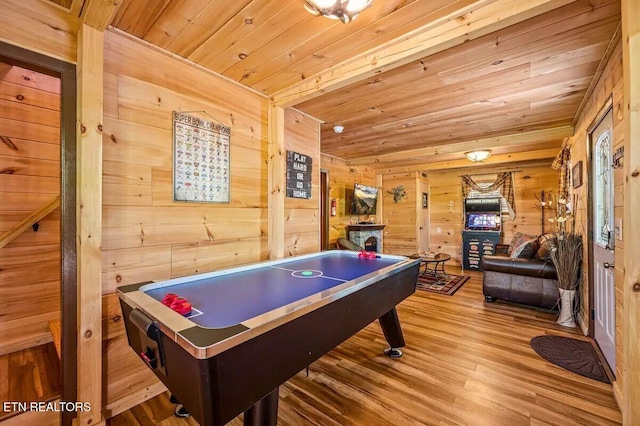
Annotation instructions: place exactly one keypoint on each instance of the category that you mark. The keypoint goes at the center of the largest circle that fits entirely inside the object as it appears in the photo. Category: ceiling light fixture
(338, 129)
(344, 10)
(479, 155)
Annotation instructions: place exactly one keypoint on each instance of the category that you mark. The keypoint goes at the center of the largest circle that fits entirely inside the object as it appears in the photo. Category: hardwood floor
(466, 362)
(29, 375)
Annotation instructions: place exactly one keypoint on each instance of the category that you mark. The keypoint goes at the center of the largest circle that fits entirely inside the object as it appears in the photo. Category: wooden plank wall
(29, 178)
(41, 27)
(342, 177)
(400, 234)
(146, 235)
(446, 206)
(302, 216)
(609, 86)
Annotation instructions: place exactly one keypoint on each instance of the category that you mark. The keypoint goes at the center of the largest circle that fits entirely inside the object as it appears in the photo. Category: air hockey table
(254, 327)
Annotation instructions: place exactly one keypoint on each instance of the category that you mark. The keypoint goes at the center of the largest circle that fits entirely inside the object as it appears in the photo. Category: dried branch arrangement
(566, 255)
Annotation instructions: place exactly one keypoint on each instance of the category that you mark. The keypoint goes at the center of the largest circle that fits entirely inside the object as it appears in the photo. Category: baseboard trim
(583, 326)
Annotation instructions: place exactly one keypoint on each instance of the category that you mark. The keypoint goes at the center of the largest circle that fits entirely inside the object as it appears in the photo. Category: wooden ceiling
(483, 91)
(526, 77)
(270, 44)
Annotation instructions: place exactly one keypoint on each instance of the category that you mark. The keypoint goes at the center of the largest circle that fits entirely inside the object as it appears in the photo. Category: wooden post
(631, 224)
(276, 186)
(89, 222)
(379, 212)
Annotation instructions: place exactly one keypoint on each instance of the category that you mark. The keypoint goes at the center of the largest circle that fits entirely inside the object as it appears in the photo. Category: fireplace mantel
(365, 227)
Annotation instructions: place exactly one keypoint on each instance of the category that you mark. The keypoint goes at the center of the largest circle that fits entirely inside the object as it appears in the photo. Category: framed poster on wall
(576, 174)
(201, 163)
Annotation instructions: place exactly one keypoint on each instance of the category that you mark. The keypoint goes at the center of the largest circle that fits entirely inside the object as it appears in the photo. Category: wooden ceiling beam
(480, 18)
(488, 143)
(98, 14)
(539, 157)
(527, 147)
(76, 7)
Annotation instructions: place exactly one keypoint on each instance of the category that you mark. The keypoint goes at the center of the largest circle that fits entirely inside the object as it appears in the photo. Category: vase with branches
(566, 254)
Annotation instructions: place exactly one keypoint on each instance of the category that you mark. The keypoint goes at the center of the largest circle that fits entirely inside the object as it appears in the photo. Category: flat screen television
(365, 199)
(483, 221)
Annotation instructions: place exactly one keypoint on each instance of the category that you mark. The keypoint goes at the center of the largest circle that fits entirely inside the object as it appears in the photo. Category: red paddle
(169, 298)
(181, 306)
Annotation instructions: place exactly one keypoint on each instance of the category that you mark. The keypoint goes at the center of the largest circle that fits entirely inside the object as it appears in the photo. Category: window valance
(503, 184)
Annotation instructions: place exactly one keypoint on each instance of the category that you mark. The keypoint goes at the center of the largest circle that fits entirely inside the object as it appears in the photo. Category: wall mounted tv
(365, 199)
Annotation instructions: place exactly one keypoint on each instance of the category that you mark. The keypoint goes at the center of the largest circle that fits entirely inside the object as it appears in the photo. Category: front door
(603, 240)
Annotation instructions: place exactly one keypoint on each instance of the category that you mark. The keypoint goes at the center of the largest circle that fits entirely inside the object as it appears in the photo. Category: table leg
(263, 412)
(392, 331)
(440, 276)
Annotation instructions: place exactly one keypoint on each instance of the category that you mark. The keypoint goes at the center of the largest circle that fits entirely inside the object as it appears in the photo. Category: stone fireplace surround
(358, 234)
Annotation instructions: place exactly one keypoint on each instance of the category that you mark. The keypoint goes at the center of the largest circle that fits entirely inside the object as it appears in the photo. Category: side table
(435, 260)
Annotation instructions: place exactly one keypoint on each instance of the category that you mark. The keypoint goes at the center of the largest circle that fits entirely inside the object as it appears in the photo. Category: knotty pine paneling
(342, 177)
(446, 208)
(41, 27)
(29, 179)
(302, 216)
(609, 86)
(525, 76)
(400, 233)
(148, 236)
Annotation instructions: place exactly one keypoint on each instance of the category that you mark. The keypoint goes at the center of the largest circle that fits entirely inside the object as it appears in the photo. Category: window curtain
(562, 163)
(503, 184)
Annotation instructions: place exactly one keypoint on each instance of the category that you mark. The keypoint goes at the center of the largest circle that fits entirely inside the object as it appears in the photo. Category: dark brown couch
(529, 281)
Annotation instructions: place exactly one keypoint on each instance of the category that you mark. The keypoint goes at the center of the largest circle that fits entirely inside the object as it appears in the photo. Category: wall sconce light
(479, 155)
(338, 129)
(344, 10)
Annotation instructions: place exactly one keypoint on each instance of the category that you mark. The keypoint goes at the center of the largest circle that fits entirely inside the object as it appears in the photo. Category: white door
(603, 240)
(423, 217)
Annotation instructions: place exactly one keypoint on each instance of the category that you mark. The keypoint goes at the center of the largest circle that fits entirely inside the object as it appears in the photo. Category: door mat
(574, 355)
(442, 284)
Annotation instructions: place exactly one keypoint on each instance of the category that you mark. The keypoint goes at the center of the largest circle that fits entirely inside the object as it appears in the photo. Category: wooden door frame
(66, 72)
(325, 210)
(608, 105)
(422, 180)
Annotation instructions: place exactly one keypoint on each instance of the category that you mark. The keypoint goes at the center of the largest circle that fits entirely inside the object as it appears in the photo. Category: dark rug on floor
(443, 284)
(574, 355)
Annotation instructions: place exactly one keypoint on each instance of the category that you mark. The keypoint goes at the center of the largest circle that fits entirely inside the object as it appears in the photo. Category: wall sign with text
(298, 175)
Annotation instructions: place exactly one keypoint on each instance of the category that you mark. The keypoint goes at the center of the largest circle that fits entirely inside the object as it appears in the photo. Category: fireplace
(371, 244)
(368, 236)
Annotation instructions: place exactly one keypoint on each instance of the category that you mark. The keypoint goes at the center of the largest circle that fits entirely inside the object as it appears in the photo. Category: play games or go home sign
(298, 175)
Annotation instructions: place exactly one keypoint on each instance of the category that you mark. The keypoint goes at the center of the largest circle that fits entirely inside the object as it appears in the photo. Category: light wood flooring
(466, 362)
(29, 375)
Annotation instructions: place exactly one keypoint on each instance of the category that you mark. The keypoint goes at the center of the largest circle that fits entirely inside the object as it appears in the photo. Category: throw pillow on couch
(526, 250)
(523, 246)
(545, 241)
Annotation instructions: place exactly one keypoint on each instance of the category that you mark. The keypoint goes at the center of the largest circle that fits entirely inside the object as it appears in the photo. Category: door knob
(636, 288)
(608, 265)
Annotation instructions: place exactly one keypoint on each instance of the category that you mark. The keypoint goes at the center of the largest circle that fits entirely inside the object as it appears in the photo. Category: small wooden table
(437, 259)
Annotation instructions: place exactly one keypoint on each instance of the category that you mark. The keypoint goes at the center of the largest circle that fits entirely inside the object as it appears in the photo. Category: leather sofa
(529, 281)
